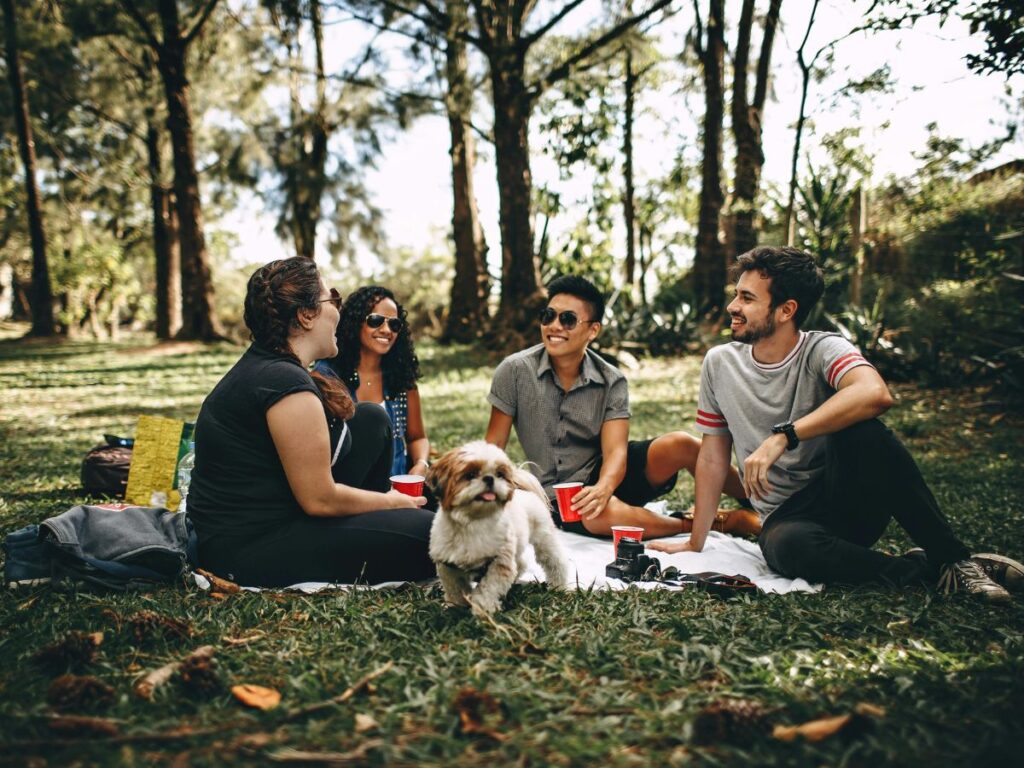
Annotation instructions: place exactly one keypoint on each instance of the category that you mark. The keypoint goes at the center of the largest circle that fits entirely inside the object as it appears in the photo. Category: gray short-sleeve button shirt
(560, 431)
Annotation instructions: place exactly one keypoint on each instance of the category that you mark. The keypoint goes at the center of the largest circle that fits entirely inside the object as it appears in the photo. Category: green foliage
(580, 678)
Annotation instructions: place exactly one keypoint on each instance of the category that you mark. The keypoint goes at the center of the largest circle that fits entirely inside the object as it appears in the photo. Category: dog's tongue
(488, 496)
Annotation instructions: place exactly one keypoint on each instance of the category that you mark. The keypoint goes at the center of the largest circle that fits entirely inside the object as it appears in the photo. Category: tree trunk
(304, 174)
(521, 293)
(629, 193)
(805, 75)
(709, 262)
(746, 123)
(41, 299)
(468, 310)
(857, 214)
(165, 243)
(197, 318)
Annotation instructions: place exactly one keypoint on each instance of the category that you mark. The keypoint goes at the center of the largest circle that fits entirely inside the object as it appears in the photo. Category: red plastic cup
(564, 493)
(410, 485)
(629, 531)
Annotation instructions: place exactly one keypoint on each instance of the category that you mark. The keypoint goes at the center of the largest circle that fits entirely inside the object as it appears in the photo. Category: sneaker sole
(1014, 570)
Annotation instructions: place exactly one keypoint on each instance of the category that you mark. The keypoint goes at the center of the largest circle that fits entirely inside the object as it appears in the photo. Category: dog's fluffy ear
(439, 475)
(525, 480)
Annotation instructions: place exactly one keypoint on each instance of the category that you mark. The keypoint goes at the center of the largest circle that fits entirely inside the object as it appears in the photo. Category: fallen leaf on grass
(198, 676)
(473, 708)
(217, 583)
(75, 649)
(365, 723)
(258, 634)
(357, 755)
(76, 725)
(869, 710)
(219, 595)
(816, 730)
(256, 696)
(146, 625)
(74, 691)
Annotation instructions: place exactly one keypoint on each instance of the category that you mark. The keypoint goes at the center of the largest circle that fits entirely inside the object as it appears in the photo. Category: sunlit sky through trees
(931, 84)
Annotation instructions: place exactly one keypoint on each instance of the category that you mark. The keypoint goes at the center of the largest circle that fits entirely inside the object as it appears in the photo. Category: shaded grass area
(572, 679)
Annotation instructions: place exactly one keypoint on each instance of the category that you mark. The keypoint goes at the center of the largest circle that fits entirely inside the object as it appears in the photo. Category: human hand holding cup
(563, 494)
(410, 485)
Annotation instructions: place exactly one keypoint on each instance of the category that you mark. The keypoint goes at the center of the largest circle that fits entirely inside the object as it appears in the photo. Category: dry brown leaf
(217, 583)
(73, 692)
(218, 596)
(365, 723)
(256, 696)
(258, 634)
(815, 730)
(869, 710)
(473, 708)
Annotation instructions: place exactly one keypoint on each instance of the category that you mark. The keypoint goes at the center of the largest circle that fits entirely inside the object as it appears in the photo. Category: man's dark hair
(793, 273)
(582, 289)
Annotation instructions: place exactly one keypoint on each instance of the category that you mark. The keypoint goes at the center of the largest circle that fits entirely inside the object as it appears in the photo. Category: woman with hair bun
(377, 362)
(291, 478)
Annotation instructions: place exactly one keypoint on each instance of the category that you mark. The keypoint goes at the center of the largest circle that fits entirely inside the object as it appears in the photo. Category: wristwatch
(787, 429)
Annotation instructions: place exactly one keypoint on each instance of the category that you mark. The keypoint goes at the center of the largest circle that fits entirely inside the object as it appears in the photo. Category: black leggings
(389, 545)
(824, 532)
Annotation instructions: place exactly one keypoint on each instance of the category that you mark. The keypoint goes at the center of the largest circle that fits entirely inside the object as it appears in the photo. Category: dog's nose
(488, 480)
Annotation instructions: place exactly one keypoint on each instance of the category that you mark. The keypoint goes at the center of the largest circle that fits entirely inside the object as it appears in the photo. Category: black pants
(824, 532)
(389, 545)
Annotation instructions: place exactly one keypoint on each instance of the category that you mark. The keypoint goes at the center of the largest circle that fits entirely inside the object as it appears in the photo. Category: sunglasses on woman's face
(377, 320)
(568, 318)
(335, 299)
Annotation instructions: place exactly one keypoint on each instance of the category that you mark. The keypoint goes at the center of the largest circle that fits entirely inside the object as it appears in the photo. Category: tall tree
(709, 258)
(467, 311)
(41, 295)
(747, 118)
(503, 37)
(198, 320)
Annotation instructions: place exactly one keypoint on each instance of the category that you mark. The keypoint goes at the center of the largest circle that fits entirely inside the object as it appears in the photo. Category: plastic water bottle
(188, 461)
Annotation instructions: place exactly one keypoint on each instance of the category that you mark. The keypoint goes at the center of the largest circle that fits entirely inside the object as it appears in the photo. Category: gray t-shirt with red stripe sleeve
(744, 399)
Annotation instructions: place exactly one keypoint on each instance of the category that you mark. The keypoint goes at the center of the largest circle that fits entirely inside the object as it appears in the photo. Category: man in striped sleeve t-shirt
(825, 474)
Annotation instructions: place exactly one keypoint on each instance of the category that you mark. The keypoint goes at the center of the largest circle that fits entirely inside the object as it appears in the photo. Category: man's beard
(754, 333)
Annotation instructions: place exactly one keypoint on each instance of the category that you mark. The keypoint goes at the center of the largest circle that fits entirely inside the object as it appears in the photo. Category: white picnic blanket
(589, 556)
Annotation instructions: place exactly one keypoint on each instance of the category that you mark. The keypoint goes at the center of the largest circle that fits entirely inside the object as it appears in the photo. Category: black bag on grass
(105, 467)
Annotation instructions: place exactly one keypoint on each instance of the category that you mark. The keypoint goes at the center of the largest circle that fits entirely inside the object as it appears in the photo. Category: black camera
(631, 564)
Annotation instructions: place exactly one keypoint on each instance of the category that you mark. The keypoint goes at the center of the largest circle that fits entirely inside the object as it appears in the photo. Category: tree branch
(698, 43)
(565, 69)
(536, 35)
(151, 38)
(204, 15)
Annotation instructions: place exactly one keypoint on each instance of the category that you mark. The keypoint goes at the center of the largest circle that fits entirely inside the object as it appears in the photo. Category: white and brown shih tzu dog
(489, 511)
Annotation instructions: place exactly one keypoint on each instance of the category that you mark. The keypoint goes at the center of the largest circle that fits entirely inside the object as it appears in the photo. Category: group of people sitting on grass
(296, 444)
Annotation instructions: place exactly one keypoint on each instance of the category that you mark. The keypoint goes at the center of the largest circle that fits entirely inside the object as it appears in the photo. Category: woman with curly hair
(291, 478)
(377, 361)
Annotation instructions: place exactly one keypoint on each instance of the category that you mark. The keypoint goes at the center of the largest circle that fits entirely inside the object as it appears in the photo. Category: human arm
(299, 431)
(498, 428)
(592, 500)
(416, 441)
(861, 395)
(709, 474)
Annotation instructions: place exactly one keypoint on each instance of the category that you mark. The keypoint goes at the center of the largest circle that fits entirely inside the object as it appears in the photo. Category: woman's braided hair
(400, 366)
(275, 294)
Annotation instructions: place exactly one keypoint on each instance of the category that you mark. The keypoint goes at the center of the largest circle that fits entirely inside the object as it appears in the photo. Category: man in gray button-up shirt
(570, 410)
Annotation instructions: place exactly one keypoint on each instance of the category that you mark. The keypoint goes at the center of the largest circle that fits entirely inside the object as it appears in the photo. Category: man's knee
(794, 549)
(679, 447)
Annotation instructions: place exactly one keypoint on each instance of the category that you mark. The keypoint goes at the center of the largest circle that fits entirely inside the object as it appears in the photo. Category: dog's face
(476, 479)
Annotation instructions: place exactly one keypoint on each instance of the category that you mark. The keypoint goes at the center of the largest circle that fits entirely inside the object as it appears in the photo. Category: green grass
(587, 679)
